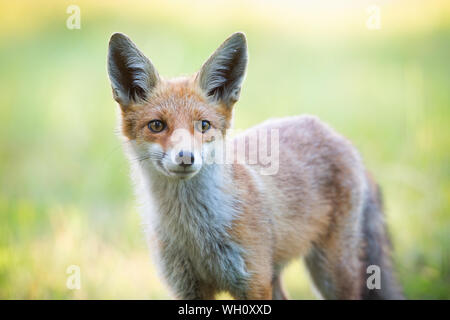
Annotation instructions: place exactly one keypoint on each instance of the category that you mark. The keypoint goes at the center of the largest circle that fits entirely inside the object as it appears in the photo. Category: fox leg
(260, 291)
(194, 291)
(333, 276)
(278, 292)
(257, 290)
(334, 260)
(258, 287)
(184, 281)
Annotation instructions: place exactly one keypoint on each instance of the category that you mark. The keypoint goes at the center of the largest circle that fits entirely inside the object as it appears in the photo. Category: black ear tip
(118, 38)
(237, 41)
(238, 37)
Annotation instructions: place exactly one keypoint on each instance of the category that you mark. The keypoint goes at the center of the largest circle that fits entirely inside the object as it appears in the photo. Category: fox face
(173, 124)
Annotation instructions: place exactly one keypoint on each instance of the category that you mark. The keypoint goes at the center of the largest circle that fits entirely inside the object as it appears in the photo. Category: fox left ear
(222, 74)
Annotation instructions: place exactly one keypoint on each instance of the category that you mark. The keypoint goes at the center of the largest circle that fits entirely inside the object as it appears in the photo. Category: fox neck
(202, 204)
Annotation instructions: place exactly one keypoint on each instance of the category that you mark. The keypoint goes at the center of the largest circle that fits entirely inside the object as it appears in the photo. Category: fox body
(229, 226)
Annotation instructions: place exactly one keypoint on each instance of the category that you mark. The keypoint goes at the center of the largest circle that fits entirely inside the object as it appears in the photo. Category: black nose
(185, 158)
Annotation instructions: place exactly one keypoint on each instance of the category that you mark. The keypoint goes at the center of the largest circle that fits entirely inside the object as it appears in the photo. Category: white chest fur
(191, 219)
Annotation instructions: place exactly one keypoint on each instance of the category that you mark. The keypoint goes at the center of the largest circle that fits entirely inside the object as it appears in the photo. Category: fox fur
(227, 227)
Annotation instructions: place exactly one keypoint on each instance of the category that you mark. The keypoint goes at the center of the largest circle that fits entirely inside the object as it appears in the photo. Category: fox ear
(222, 74)
(132, 74)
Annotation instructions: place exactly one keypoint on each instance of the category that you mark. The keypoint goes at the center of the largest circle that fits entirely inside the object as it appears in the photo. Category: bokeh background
(65, 195)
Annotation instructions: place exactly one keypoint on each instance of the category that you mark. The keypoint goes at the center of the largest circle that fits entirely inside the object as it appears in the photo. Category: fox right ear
(132, 75)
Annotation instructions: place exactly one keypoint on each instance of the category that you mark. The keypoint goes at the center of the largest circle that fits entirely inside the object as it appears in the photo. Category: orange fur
(317, 205)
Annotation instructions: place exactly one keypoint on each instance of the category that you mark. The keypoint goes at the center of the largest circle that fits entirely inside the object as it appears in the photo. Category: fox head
(172, 123)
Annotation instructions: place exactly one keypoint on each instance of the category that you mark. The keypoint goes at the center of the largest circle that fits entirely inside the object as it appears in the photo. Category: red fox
(232, 226)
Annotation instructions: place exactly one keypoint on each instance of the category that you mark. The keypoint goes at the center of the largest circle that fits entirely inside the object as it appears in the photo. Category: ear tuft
(132, 74)
(222, 74)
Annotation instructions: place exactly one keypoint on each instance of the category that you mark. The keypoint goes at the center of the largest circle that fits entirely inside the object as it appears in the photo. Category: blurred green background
(65, 195)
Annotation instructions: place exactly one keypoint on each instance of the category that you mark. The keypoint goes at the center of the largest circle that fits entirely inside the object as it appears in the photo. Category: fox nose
(184, 158)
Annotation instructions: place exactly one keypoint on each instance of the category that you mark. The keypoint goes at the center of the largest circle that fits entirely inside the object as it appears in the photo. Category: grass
(65, 194)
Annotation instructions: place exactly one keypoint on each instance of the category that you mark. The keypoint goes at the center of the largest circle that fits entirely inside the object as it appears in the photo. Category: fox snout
(182, 163)
(184, 154)
(185, 158)
(174, 162)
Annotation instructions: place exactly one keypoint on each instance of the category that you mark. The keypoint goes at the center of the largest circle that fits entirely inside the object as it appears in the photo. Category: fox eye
(156, 126)
(202, 126)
